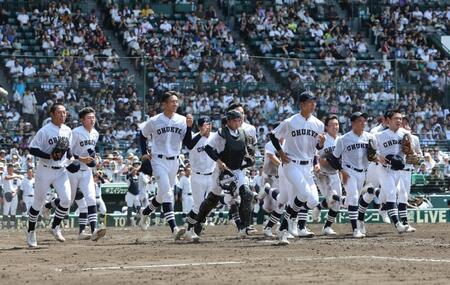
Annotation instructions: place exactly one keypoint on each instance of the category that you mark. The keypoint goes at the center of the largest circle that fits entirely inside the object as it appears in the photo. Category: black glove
(333, 161)
(227, 181)
(8, 196)
(93, 155)
(146, 167)
(396, 161)
(73, 167)
(371, 151)
(60, 149)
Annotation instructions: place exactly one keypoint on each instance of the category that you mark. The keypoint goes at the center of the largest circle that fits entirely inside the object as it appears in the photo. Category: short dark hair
(391, 112)
(234, 105)
(54, 106)
(329, 118)
(167, 95)
(83, 112)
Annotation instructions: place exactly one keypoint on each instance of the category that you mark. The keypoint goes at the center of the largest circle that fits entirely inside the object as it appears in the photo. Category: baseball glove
(146, 167)
(8, 196)
(406, 145)
(73, 167)
(333, 161)
(413, 159)
(371, 151)
(93, 155)
(227, 181)
(396, 161)
(61, 148)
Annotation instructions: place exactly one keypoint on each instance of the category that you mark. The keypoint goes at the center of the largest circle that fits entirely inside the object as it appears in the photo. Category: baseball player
(271, 181)
(228, 148)
(51, 170)
(405, 178)
(84, 140)
(303, 135)
(327, 179)
(250, 132)
(27, 187)
(388, 146)
(202, 170)
(186, 190)
(352, 149)
(167, 130)
(101, 207)
(11, 184)
(132, 195)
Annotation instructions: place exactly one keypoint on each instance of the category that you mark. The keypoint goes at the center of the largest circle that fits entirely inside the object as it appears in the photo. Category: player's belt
(206, 174)
(408, 169)
(189, 194)
(97, 197)
(167, 157)
(301, 162)
(355, 169)
(30, 195)
(52, 167)
(274, 176)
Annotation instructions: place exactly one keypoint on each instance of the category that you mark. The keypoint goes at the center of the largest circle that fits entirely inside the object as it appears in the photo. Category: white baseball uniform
(202, 169)
(144, 185)
(186, 193)
(27, 187)
(12, 186)
(389, 142)
(272, 178)
(49, 171)
(101, 207)
(328, 179)
(301, 138)
(82, 141)
(353, 150)
(167, 135)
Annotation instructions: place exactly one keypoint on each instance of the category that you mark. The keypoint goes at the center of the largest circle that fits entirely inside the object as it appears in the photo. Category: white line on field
(161, 265)
(375, 257)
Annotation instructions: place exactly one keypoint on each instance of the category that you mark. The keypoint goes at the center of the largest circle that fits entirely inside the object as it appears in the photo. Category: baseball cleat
(56, 232)
(31, 239)
(251, 230)
(384, 216)
(361, 227)
(84, 235)
(292, 226)
(315, 214)
(305, 233)
(400, 228)
(282, 237)
(289, 236)
(357, 233)
(191, 236)
(409, 228)
(328, 231)
(178, 233)
(268, 232)
(98, 234)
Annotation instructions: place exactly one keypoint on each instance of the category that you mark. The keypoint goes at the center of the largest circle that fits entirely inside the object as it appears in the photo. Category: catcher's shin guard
(207, 205)
(246, 206)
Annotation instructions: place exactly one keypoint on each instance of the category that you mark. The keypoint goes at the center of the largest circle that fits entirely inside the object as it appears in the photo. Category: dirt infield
(135, 257)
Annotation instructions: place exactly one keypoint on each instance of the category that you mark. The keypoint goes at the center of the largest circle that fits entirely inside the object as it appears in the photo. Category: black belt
(29, 195)
(301, 162)
(199, 173)
(408, 169)
(189, 194)
(97, 197)
(52, 167)
(270, 176)
(355, 169)
(167, 157)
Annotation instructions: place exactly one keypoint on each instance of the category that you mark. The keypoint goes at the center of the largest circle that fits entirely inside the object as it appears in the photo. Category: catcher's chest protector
(234, 151)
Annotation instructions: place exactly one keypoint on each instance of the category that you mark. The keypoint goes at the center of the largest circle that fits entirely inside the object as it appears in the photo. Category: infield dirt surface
(131, 256)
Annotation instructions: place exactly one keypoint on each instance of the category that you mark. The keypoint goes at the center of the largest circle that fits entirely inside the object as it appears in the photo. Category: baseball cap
(356, 115)
(233, 114)
(202, 120)
(305, 96)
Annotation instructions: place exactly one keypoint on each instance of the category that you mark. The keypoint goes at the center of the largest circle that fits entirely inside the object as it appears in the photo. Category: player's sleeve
(146, 128)
(190, 141)
(214, 145)
(339, 147)
(281, 131)
(35, 144)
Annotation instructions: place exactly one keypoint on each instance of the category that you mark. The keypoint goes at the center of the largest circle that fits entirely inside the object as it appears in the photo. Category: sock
(287, 215)
(234, 211)
(169, 215)
(403, 213)
(12, 221)
(60, 213)
(302, 217)
(392, 211)
(191, 219)
(353, 215)
(82, 221)
(92, 217)
(323, 205)
(383, 207)
(273, 219)
(362, 207)
(129, 215)
(330, 218)
(32, 219)
(152, 206)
